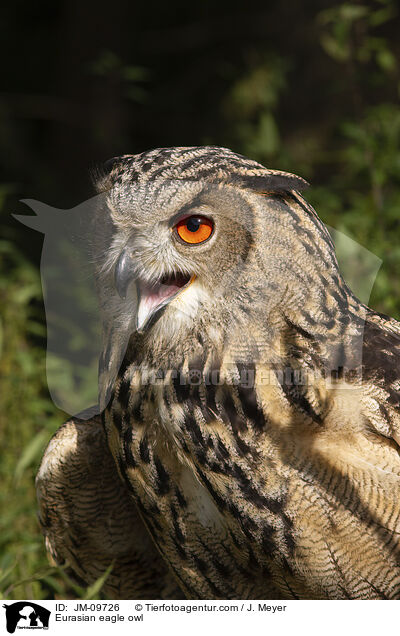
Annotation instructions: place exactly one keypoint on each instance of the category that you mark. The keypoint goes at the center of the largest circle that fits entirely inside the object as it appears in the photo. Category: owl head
(203, 239)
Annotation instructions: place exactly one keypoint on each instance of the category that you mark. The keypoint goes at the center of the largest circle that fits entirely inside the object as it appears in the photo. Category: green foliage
(367, 204)
(348, 32)
(27, 420)
(251, 106)
(109, 65)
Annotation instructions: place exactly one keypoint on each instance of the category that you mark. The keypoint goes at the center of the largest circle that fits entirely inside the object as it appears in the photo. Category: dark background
(311, 87)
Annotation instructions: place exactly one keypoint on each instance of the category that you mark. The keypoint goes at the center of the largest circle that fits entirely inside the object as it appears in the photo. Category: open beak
(151, 296)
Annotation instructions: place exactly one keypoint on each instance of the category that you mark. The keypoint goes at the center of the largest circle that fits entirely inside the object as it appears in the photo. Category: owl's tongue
(154, 296)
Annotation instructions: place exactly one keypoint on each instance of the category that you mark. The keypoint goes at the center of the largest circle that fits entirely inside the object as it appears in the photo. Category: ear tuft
(102, 175)
(273, 181)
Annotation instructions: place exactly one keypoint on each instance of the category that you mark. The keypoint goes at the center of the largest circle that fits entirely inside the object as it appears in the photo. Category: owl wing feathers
(381, 367)
(90, 522)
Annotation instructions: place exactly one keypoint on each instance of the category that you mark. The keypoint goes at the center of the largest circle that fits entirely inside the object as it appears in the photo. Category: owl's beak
(124, 273)
(151, 296)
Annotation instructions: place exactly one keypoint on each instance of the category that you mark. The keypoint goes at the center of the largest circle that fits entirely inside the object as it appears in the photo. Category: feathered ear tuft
(104, 174)
(274, 181)
(101, 175)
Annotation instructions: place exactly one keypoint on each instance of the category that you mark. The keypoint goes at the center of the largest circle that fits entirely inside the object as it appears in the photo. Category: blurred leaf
(5, 572)
(259, 89)
(376, 18)
(93, 590)
(135, 73)
(386, 60)
(336, 49)
(39, 576)
(106, 62)
(31, 453)
(266, 137)
(350, 12)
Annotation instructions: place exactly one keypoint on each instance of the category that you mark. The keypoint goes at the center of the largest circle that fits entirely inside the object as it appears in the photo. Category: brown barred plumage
(253, 417)
(89, 521)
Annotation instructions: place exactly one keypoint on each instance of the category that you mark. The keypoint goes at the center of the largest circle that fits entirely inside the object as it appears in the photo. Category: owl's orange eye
(195, 229)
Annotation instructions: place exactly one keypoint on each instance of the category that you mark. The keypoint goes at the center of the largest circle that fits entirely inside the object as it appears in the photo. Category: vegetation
(309, 87)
